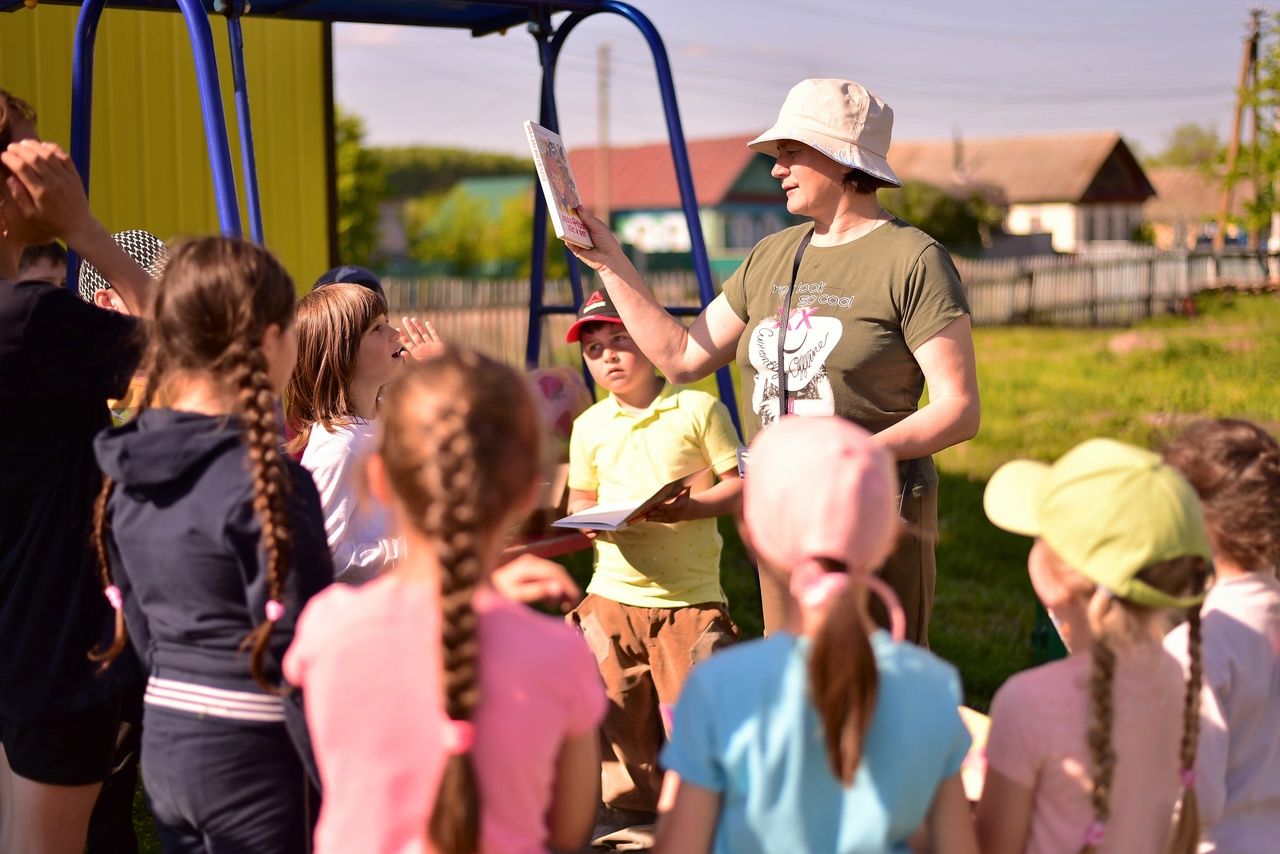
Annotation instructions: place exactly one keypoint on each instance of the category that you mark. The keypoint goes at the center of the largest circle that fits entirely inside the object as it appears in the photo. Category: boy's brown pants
(644, 655)
(911, 571)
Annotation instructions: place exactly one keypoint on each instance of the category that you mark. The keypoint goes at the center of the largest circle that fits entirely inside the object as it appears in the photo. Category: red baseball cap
(595, 308)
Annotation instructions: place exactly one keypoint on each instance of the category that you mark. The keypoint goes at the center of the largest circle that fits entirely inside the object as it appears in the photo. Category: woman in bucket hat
(873, 310)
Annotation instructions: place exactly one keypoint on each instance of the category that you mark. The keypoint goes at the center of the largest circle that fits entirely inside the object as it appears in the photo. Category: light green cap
(1109, 510)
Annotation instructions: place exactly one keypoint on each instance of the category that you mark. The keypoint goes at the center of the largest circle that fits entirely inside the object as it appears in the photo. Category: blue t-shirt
(746, 729)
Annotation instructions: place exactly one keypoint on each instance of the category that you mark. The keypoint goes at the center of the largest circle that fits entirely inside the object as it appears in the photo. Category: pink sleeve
(1012, 743)
(298, 657)
(586, 698)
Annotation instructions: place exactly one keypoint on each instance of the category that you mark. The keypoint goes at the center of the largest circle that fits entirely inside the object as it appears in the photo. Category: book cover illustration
(558, 187)
(612, 516)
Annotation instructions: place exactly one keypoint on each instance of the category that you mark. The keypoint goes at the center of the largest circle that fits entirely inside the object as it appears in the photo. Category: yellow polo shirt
(626, 456)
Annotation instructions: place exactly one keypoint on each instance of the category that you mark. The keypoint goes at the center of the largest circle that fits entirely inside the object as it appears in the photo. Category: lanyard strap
(784, 321)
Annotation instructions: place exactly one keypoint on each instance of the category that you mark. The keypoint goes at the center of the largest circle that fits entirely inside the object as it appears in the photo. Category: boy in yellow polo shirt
(654, 607)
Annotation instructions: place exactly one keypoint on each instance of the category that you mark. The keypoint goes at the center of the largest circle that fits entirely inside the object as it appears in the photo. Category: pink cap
(820, 488)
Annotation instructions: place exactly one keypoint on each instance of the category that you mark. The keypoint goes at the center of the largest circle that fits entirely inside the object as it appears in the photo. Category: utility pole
(603, 202)
(1248, 72)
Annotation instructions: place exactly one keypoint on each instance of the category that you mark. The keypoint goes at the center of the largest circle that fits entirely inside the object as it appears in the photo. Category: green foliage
(1263, 165)
(1192, 145)
(960, 220)
(416, 171)
(361, 185)
(457, 234)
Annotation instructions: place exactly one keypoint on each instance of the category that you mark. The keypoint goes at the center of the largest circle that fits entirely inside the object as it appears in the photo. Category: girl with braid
(444, 717)
(1097, 752)
(209, 542)
(1235, 467)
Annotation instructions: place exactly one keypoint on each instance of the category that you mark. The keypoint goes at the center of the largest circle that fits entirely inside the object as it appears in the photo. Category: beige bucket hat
(839, 118)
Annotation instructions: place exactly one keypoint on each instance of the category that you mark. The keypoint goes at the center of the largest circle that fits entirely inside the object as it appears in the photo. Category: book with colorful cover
(552, 162)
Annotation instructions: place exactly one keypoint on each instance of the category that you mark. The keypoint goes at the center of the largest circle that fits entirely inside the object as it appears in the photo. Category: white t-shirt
(356, 526)
(1238, 760)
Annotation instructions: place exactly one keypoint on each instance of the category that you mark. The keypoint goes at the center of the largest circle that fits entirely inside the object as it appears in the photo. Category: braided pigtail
(455, 822)
(104, 657)
(1185, 838)
(1102, 754)
(255, 404)
(459, 438)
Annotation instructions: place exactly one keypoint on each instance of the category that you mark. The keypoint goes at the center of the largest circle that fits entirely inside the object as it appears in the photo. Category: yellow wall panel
(149, 158)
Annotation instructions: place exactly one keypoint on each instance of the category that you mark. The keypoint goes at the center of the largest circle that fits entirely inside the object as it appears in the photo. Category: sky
(985, 68)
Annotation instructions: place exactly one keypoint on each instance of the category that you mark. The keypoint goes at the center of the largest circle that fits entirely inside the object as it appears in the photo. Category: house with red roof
(739, 202)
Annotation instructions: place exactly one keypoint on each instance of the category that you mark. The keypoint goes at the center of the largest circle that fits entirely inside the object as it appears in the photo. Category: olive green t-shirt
(858, 312)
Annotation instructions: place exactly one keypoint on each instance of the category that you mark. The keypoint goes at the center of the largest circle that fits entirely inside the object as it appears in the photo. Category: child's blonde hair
(332, 321)
(459, 438)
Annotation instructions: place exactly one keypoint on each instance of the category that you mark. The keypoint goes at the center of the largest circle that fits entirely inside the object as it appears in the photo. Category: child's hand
(421, 341)
(46, 189)
(532, 579)
(678, 509)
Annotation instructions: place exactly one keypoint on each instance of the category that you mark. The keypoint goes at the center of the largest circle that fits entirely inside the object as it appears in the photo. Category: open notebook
(611, 517)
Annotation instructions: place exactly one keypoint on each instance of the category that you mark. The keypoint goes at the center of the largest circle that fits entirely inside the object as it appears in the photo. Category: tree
(960, 218)
(419, 170)
(361, 186)
(1192, 145)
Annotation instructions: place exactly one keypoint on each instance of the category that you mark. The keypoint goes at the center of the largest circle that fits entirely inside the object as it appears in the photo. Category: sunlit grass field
(1043, 391)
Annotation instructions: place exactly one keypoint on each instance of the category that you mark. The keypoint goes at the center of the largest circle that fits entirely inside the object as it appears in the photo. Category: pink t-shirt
(368, 660)
(1039, 739)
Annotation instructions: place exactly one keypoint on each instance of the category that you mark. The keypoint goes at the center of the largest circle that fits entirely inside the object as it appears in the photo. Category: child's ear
(375, 478)
(1048, 576)
(106, 298)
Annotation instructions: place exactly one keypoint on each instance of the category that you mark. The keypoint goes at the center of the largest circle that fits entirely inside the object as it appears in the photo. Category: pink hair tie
(1093, 835)
(812, 585)
(114, 596)
(1187, 776)
(458, 737)
(275, 610)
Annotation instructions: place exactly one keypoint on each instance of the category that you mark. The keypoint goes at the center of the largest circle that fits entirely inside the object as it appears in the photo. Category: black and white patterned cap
(142, 246)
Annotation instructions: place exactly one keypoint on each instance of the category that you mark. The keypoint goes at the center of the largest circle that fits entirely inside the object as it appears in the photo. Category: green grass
(1043, 391)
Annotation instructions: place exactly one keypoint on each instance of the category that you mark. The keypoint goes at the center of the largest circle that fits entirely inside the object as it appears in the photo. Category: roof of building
(1185, 193)
(644, 176)
(1059, 168)
(1085, 167)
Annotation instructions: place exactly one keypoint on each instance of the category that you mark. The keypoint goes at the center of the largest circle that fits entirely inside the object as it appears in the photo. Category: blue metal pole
(538, 257)
(235, 35)
(82, 105)
(684, 177)
(215, 122)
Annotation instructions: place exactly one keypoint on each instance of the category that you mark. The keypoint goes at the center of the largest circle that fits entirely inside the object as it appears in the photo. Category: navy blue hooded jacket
(185, 546)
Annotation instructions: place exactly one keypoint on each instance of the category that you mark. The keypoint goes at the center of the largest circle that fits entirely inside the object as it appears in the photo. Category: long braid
(450, 521)
(255, 404)
(1102, 754)
(1185, 838)
(104, 657)
(460, 441)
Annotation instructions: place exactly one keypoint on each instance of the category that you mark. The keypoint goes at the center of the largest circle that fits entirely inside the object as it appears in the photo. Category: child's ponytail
(844, 679)
(1102, 754)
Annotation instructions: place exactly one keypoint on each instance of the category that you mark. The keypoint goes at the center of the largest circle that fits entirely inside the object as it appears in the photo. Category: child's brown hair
(211, 311)
(332, 321)
(1234, 466)
(12, 110)
(459, 438)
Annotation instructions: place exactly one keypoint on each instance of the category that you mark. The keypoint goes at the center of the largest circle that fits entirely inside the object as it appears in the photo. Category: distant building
(1085, 190)
(739, 202)
(1184, 213)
